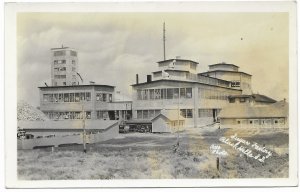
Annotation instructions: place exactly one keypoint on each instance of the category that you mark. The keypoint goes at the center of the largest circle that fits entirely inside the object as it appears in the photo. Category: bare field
(153, 156)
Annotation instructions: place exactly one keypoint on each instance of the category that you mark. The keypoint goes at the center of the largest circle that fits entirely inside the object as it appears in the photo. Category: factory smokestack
(137, 78)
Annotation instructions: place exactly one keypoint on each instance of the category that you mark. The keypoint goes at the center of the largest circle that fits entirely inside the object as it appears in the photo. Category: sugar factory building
(175, 88)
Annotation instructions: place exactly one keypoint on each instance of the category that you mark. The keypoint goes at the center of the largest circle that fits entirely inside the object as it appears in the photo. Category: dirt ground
(156, 156)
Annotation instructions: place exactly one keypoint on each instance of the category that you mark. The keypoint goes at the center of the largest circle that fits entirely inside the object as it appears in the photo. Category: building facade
(177, 86)
(64, 65)
(67, 99)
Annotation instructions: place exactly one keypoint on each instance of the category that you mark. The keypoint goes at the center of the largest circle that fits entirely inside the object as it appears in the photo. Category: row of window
(235, 84)
(213, 94)
(279, 121)
(59, 76)
(67, 97)
(63, 53)
(169, 93)
(76, 97)
(104, 97)
(63, 61)
(186, 113)
(59, 69)
(147, 114)
(68, 115)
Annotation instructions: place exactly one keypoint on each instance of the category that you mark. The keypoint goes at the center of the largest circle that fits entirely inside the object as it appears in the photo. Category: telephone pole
(83, 127)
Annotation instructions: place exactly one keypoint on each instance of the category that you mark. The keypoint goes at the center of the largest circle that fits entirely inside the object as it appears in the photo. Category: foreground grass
(145, 156)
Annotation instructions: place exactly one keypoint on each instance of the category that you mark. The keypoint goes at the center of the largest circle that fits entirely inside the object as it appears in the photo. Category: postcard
(150, 94)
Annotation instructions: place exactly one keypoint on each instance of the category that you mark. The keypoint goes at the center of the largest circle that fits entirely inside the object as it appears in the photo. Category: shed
(168, 121)
(56, 133)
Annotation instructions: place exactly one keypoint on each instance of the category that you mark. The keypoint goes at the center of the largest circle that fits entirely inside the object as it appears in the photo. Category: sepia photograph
(138, 93)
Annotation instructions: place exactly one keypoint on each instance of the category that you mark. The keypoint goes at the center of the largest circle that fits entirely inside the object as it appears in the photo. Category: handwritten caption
(250, 149)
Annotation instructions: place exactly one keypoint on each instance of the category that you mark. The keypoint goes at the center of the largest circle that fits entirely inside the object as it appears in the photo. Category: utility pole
(83, 127)
(164, 41)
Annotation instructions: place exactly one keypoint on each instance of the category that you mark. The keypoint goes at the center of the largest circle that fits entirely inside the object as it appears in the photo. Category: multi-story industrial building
(177, 86)
(67, 99)
(64, 65)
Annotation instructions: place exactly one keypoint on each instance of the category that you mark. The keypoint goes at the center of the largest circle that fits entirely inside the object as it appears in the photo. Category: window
(145, 114)
(98, 96)
(46, 98)
(182, 93)
(151, 92)
(189, 113)
(88, 115)
(110, 98)
(66, 97)
(88, 96)
(151, 114)
(104, 97)
(72, 97)
(77, 97)
(189, 93)
(139, 114)
(242, 100)
(176, 93)
(102, 114)
(139, 95)
(82, 96)
(59, 61)
(145, 94)
(157, 94)
(186, 113)
(170, 93)
(64, 83)
(235, 84)
(163, 94)
(231, 100)
(59, 53)
(55, 98)
(73, 69)
(60, 97)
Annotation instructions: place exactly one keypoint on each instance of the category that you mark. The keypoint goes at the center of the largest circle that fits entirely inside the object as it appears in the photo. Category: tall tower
(64, 65)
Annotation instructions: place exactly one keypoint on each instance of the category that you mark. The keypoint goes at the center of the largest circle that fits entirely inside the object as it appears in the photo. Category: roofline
(145, 83)
(96, 85)
(223, 71)
(178, 60)
(224, 64)
(171, 70)
(62, 48)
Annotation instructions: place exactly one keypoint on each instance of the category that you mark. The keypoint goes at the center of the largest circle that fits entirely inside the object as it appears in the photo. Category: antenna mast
(164, 41)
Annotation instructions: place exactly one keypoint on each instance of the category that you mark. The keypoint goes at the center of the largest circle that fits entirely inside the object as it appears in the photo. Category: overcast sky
(113, 47)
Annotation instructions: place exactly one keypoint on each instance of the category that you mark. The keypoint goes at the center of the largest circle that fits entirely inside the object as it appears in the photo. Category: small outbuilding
(168, 121)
